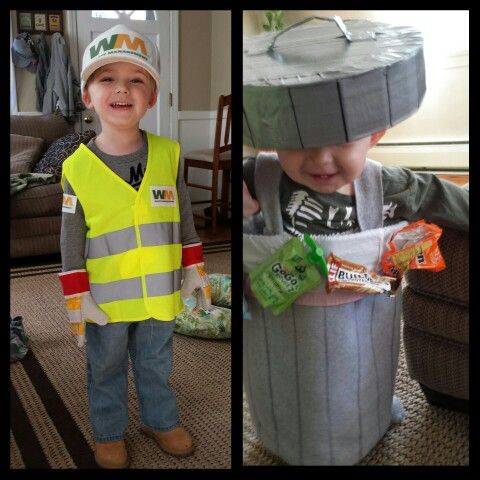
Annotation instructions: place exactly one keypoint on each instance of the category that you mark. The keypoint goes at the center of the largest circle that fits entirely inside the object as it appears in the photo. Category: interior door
(155, 24)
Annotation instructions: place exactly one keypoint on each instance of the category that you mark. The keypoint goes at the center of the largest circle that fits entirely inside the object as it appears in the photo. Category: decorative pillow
(61, 149)
(216, 324)
(24, 152)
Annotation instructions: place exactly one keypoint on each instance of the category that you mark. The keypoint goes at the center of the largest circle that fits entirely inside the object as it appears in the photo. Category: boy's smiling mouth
(121, 105)
(323, 176)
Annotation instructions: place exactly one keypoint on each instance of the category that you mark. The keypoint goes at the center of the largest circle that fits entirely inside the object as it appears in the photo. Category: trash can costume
(320, 376)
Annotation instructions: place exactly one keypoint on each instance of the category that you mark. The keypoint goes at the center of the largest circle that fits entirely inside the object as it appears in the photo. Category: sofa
(35, 213)
(436, 325)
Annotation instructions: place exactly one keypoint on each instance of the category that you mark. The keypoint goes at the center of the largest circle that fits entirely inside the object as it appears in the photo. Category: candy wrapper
(352, 276)
(287, 274)
(414, 247)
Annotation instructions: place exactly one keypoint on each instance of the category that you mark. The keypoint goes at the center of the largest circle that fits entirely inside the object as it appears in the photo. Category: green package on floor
(284, 276)
(202, 324)
(213, 324)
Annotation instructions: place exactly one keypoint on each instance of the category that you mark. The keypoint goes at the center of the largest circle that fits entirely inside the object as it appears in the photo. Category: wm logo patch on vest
(164, 196)
(69, 204)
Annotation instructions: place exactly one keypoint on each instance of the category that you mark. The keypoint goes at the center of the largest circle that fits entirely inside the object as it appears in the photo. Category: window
(125, 14)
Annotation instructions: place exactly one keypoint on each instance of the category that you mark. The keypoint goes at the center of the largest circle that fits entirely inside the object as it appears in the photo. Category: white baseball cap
(120, 44)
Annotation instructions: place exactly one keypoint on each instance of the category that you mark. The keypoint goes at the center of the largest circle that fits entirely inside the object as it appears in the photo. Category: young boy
(349, 341)
(320, 376)
(127, 229)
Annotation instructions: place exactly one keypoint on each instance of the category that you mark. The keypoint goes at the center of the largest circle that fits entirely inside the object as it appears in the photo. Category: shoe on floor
(176, 442)
(111, 454)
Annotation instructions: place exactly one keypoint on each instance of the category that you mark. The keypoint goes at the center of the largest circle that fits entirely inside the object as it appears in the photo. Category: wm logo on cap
(118, 41)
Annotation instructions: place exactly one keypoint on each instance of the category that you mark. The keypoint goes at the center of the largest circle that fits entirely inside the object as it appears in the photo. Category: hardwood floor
(223, 233)
(459, 179)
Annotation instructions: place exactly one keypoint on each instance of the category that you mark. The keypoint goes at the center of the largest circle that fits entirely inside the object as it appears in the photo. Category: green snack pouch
(286, 275)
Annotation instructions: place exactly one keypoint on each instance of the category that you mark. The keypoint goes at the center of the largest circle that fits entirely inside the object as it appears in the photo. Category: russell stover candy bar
(352, 276)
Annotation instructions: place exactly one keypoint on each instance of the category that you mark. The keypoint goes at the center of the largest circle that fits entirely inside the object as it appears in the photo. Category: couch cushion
(59, 150)
(24, 152)
(452, 283)
(439, 363)
(441, 319)
(39, 201)
(35, 236)
(49, 127)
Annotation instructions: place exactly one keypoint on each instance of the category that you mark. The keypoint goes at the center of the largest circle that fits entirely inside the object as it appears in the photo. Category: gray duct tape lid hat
(329, 83)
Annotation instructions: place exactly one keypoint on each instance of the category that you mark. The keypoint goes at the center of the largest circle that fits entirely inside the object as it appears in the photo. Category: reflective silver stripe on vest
(157, 284)
(151, 234)
(111, 243)
(163, 283)
(161, 233)
(118, 290)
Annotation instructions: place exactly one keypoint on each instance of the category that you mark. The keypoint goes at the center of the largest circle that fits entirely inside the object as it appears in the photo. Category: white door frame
(13, 81)
(71, 23)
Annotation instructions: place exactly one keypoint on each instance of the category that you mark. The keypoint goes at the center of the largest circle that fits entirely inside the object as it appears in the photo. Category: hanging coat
(42, 69)
(62, 90)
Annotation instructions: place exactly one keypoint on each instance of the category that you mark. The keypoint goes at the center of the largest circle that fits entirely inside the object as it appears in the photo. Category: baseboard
(432, 156)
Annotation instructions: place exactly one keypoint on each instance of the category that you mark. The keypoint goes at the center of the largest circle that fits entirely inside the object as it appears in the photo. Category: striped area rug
(49, 423)
(216, 247)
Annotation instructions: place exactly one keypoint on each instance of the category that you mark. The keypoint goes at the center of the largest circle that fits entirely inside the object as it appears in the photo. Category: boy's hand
(80, 304)
(250, 205)
(195, 278)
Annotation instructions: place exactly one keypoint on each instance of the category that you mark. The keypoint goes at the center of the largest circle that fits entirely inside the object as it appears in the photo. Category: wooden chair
(215, 159)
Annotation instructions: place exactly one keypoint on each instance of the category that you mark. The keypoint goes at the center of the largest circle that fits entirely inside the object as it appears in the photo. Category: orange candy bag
(414, 246)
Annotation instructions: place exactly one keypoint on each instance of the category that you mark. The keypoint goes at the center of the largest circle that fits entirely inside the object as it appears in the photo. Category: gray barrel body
(320, 380)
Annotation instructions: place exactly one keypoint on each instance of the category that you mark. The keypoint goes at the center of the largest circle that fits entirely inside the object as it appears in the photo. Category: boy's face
(120, 93)
(327, 169)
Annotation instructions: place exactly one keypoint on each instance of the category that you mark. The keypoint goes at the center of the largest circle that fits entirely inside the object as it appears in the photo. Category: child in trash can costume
(320, 376)
(127, 231)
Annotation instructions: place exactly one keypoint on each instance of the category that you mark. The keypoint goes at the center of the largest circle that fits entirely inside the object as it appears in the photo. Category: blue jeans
(149, 343)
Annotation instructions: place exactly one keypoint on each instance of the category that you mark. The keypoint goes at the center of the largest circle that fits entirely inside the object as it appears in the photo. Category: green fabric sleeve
(415, 196)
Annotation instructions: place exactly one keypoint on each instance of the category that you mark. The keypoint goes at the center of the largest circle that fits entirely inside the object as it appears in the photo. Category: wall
(221, 56)
(441, 125)
(195, 34)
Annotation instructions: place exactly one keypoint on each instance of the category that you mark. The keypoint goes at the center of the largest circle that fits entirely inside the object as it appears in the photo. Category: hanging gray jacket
(42, 69)
(62, 90)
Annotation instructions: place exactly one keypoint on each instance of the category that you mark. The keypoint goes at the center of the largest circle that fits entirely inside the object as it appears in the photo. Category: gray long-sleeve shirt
(130, 168)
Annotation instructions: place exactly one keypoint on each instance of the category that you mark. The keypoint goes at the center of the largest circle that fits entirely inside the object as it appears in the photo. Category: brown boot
(176, 442)
(111, 454)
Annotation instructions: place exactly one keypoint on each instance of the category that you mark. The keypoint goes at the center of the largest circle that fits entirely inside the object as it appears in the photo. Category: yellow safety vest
(133, 251)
